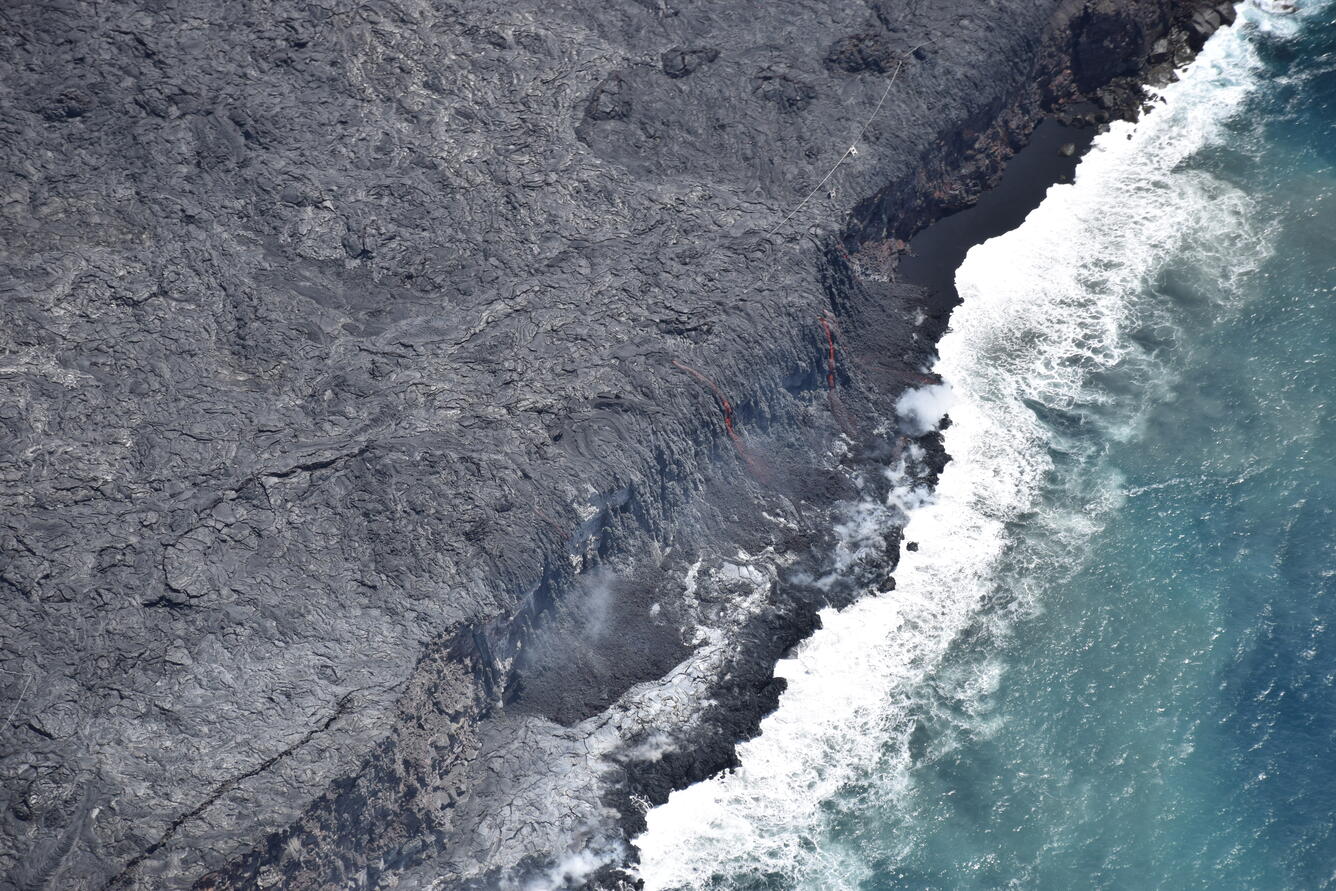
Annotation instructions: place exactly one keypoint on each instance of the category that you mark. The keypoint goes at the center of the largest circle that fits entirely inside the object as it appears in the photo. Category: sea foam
(1047, 310)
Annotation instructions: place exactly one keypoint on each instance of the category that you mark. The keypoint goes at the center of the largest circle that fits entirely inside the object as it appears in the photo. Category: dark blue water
(1112, 662)
(1169, 715)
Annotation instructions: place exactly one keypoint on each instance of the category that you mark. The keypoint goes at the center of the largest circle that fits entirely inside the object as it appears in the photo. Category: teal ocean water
(1111, 662)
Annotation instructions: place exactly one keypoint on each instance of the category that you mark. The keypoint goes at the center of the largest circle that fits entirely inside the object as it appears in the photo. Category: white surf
(1047, 308)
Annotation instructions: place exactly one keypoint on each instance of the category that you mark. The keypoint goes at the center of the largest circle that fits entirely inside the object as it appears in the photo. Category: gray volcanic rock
(343, 346)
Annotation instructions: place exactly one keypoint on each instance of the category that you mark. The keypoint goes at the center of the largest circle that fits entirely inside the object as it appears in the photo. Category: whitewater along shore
(425, 426)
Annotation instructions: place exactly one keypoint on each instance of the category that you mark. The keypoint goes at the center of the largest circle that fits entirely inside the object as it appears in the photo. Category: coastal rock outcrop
(419, 418)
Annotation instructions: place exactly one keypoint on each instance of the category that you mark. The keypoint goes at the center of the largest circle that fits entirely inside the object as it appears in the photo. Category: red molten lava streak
(727, 408)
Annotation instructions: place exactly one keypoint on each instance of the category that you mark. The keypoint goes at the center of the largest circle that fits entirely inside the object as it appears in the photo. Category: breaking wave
(1065, 324)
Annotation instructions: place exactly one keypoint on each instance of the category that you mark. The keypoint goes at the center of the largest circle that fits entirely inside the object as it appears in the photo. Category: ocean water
(1111, 662)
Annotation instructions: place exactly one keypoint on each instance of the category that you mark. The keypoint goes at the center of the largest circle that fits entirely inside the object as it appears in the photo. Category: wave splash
(1055, 323)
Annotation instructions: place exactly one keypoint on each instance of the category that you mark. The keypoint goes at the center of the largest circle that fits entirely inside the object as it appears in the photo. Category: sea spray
(1049, 312)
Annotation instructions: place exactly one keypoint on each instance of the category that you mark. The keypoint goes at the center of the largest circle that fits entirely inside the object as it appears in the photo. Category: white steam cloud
(923, 408)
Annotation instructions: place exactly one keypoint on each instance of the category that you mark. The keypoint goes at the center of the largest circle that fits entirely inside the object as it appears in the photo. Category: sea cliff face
(424, 424)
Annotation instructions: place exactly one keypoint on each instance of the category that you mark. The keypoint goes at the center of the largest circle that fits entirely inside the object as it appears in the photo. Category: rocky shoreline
(429, 424)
